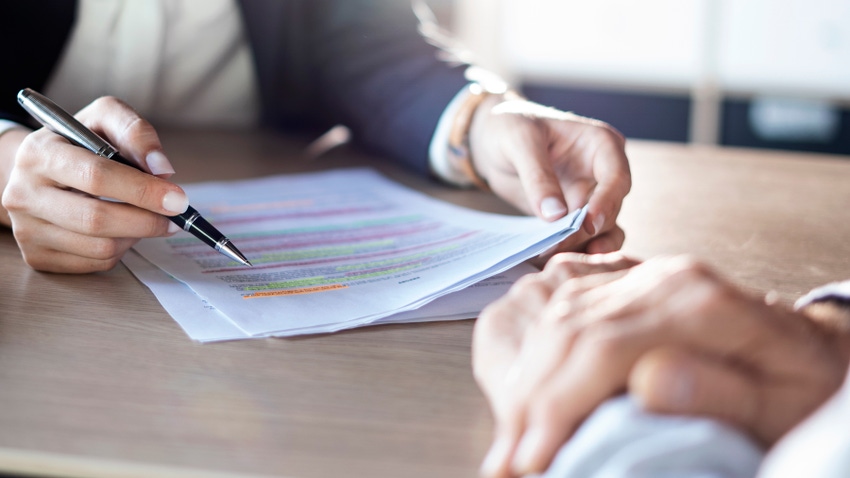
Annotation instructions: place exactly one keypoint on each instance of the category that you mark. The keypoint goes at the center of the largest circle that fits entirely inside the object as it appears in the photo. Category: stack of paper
(335, 250)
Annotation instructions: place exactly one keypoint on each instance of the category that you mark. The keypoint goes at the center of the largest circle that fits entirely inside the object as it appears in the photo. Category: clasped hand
(669, 331)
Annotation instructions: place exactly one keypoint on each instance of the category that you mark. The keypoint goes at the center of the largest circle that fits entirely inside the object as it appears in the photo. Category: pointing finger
(135, 137)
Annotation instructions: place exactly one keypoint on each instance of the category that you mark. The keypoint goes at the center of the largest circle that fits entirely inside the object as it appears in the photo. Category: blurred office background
(755, 73)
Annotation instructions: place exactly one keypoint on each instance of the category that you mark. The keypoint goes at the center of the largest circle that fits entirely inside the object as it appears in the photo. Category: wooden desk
(96, 379)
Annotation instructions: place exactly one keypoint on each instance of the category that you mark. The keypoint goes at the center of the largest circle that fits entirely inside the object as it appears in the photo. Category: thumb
(677, 382)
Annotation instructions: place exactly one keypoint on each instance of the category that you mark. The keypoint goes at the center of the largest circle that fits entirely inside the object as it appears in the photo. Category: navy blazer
(361, 63)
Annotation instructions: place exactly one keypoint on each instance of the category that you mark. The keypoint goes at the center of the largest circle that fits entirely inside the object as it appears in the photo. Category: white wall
(708, 48)
(785, 46)
(633, 42)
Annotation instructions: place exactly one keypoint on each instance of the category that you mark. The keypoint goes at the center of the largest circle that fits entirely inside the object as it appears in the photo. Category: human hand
(53, 192)
(547, 162)
(678, 337)
(504, 324)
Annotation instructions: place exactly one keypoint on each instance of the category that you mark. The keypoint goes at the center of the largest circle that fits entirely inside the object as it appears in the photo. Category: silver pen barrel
(62, 123)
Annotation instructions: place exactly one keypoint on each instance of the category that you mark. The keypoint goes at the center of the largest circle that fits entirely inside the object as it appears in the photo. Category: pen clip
(60, 122)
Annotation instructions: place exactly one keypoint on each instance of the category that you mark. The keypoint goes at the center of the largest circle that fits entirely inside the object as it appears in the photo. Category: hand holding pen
(53, 188)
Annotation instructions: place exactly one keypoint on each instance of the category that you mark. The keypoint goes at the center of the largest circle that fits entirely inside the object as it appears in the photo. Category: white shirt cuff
(438, 151)
(6, 125)
(837, 290)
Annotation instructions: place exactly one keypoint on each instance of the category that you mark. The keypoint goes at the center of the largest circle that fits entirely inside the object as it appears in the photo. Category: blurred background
(755, 73)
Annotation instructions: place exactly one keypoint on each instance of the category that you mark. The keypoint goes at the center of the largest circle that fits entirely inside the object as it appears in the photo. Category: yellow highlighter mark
(304, 290)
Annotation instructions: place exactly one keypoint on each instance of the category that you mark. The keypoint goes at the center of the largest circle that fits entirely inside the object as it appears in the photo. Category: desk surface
(97, 380)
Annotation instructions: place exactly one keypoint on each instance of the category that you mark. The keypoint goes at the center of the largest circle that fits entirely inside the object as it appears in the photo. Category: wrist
(460, 135)
(469, 119)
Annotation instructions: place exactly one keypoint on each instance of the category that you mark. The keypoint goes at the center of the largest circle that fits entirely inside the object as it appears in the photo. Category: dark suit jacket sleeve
(361, 63)
(29, 54)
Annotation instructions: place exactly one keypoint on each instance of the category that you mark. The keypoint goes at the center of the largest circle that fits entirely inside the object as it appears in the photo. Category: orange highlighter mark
(305, 290)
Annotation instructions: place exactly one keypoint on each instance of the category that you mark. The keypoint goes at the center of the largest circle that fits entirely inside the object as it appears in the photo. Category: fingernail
(173, 228)
(175, 202)
(496, 457)
(527, 451)
(772, 297)
(598, 223)
(158, 163)
(552, 208)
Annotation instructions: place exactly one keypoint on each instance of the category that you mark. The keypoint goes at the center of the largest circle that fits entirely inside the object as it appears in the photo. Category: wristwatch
(459, 154)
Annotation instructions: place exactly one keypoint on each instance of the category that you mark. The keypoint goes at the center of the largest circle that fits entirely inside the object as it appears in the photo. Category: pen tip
(228, 249)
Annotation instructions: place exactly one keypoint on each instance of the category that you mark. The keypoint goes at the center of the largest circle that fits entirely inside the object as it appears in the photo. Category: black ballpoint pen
(62, 123)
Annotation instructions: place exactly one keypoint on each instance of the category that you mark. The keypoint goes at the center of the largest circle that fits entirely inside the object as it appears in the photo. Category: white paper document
(339, 249)
(204, 323)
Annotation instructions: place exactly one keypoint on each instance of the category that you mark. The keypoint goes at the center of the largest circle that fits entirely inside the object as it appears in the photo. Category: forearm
(9, 143)
(376, 74)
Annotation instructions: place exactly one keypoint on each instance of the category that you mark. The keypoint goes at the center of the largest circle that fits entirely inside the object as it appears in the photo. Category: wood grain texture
(769, 221)
(97, 380)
